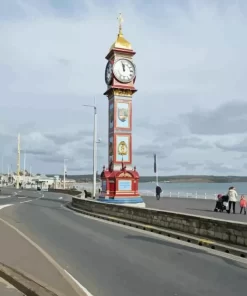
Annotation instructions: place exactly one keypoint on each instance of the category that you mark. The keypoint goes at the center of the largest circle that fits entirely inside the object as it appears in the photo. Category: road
(201, 207)
(112, 260)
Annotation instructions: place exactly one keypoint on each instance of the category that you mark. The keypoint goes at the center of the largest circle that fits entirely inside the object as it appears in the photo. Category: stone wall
(65, 191)
(222, 230)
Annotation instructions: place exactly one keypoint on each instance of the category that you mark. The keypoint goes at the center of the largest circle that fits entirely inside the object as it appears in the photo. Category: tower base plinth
(121, 188)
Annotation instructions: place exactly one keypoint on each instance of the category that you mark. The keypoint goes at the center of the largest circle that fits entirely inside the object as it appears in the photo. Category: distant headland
(173, 179)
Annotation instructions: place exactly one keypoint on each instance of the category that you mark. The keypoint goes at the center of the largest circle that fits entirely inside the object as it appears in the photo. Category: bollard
(196, 194)
(205, 195)
(178, 194)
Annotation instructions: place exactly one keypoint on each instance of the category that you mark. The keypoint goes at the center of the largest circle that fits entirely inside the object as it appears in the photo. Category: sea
(180, 190)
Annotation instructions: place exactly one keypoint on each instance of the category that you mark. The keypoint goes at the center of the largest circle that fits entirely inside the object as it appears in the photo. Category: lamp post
(64, 173)
(94, 145)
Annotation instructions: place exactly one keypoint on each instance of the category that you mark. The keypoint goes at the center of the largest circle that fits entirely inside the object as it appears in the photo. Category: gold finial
(120, 21)
(121, 42)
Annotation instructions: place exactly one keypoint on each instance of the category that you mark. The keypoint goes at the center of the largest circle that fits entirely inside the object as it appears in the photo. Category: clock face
(108, 73)
(124, 70)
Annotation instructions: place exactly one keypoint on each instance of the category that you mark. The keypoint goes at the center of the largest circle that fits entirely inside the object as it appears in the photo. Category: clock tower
(120, 180)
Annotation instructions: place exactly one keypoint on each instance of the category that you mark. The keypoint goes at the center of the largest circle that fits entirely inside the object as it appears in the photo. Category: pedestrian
(243, 204)
(232, 194)
(158, 192)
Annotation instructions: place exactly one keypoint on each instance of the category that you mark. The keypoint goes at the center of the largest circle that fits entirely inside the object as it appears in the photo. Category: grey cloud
(191, 142)
(64, 62)
(229, 118)
(65, 138)
(161, 131)
(240, 147)
(220, 168)
(53, 158)
(36, 152)
(149, 150)
(189, 166)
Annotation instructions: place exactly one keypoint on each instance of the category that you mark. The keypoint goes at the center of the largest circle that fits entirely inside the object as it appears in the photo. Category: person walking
(158, 192)
(243, 204)
(232, 194)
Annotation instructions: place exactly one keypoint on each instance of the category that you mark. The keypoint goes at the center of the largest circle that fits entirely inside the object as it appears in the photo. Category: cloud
(224, 169)
(191, 80)
(229, 118)
(238, 147)
(191, 142)
(189, 166)
(68, 137)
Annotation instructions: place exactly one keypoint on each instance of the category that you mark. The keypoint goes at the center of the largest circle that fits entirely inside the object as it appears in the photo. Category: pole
(157, 174)
(18, 160)
(24, 169)
(2, 173)
(64, 172)
(94, 149)
(30, 171)
(2, 165)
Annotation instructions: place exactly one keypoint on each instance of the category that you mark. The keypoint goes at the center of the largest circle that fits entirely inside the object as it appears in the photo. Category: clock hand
(123, 66)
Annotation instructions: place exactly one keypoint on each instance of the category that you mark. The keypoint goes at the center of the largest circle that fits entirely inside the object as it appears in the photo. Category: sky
(191, 104)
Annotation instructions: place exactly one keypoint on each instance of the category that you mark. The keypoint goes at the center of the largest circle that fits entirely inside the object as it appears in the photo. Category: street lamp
(94, 145)
(64, 173)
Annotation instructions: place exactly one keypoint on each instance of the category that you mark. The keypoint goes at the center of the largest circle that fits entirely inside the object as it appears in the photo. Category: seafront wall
(65, 191)
(221, 230)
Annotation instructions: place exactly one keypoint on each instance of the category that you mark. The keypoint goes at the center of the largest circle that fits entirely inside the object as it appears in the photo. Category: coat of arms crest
(122, 148)
(123, 114)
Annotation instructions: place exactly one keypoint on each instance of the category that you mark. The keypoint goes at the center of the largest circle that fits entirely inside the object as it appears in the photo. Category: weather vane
(120, 21)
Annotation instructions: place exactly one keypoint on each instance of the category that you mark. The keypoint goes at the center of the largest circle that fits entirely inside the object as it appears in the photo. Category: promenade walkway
(192, 206)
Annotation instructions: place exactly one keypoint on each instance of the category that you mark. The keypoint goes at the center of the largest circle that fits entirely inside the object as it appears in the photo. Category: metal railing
(181, 194)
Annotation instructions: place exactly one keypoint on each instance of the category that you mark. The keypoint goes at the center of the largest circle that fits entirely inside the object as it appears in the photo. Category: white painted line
(63, 273)
(5, 206)
(79, 285)
(3, 196)
(25, 201)
(60, 197)
(22, 197)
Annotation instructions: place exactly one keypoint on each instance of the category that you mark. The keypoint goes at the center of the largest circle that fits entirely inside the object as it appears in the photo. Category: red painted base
(121, 184)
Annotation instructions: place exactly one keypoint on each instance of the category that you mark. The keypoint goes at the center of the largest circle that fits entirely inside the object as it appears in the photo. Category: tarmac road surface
(109, 259)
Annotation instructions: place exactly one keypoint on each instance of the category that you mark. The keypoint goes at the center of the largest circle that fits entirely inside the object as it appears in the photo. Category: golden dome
(121, 42)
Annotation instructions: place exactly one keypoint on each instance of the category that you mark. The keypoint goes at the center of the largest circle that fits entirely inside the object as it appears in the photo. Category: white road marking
(15, 193)
(79, 285)
(5, 206)
(60, 197)
(3, 196)
(63, 273)
(22, 197)
(25, 201)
